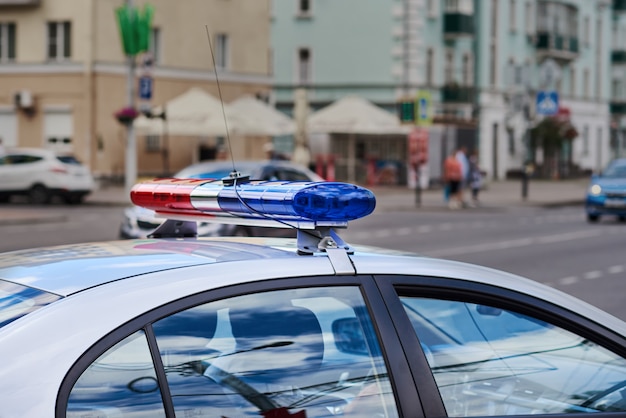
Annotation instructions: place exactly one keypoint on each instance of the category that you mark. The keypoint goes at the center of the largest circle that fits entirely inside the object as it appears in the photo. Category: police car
(179, 326)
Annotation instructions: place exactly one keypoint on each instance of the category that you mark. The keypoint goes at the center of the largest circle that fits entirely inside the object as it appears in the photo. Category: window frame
(394, 286)
(222, 51)
(61, 40)
(404, 388)
(8, 41)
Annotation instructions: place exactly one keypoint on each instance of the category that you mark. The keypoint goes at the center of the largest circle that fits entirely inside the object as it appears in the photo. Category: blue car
(607, 192)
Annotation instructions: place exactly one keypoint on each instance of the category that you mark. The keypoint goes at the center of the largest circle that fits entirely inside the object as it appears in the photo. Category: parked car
(140, 222)
(606, 194)
(275, 327)
(41, 174)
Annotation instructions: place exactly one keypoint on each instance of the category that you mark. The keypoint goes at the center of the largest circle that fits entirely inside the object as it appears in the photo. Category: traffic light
(406, 110)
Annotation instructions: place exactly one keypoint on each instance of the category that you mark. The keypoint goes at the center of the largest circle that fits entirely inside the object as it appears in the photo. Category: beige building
(63, 75)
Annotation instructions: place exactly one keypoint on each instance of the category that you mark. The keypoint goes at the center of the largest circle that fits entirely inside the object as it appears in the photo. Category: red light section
(165, 195)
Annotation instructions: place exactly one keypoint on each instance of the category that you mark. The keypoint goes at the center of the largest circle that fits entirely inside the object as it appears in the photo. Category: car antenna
(234, 176)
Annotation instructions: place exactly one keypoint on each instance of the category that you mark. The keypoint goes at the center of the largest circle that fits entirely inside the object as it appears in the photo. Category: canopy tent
(355, 115)
(196, 113)
(264, 117)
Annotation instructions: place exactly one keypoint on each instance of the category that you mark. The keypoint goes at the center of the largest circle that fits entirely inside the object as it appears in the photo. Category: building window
(153, 143)
(511, 139)
(7, 41)
(572, 82)
(58, 127)
(512, 16)
(465, 7)
(155, 45)
(304, 8)
(431, 8)
(492, 64)
(304, 66)
(586, 140)
(586, 31)
(493, 59)
(221, 51)
(528, 18)
(586, 83)
(449, 67)
(429, 66)
(59, 40)
(468, 70)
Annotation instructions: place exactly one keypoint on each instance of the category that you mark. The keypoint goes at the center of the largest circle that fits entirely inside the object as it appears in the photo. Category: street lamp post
(135, 35)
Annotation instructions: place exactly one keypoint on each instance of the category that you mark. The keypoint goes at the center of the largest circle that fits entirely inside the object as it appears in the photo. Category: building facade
(483, 62)
(63, 73)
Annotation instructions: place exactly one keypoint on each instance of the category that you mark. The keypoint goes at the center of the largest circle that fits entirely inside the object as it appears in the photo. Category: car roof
(67, 269)
(70, 269)
(28, 150)
(252, 167)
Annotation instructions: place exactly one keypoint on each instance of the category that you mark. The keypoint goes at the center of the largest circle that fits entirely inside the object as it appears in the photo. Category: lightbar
(299, 204)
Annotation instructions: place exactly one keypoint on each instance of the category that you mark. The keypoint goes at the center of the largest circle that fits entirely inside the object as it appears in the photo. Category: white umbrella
(264, 117)
(195, 113)
(355, 115)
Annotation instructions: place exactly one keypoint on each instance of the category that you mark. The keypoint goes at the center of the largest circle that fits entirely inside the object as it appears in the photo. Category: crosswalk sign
(547, 103)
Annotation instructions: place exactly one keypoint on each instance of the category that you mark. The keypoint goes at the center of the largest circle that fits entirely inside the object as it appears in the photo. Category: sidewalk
(497, 195)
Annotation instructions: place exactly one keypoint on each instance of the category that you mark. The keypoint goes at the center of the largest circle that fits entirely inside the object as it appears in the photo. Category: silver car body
(105, 284)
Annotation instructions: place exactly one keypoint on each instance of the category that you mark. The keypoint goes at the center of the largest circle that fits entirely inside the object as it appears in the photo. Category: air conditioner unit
(23, 99)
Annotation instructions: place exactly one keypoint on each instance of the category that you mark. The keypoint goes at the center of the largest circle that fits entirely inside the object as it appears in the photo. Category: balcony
(557, 46)
(19, 3)
(618, 108)
(457, 94)
(457, 24)
(618, 57)
(619, 5)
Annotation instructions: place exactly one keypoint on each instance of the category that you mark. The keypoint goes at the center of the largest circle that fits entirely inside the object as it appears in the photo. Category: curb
(31, 219)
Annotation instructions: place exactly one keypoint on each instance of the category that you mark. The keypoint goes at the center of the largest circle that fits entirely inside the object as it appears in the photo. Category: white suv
(40, 174)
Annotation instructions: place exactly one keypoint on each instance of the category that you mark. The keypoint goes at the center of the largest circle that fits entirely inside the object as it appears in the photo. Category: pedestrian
(452, 176)
(475, 179)
(461, 156)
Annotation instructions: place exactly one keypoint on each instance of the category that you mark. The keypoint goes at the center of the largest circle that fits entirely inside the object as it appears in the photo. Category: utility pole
(135, 30)
(130, 174)
(476, 66)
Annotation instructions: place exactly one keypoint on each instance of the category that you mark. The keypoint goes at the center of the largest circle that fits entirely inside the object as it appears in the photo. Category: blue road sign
(145, 87)
(547, 103)
(424, 117)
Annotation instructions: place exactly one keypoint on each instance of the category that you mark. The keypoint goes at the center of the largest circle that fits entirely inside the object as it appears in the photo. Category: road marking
(592, 275)
(615, 269)
(523, 242)
(568, 280)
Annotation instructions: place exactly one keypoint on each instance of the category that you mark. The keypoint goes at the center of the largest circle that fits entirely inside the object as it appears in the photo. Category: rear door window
(307, 351)
(490, 361)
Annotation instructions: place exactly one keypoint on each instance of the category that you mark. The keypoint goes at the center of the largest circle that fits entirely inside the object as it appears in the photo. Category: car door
(305, 347)
(477, 350)
(17, 171)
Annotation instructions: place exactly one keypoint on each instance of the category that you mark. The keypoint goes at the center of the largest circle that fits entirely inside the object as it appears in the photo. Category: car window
(68, 159)
(21, 159)
(311, 350)
(290, 175)
(122, 382)
(615, 170)
(488, 361)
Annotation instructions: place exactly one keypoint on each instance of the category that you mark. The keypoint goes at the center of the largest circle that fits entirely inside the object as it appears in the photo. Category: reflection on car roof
(67, 269)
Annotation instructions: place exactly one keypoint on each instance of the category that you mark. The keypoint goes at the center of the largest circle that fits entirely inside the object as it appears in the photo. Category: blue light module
(267, 203)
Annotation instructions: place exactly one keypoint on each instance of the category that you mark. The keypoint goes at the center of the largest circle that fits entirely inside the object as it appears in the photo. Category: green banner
(135, 27)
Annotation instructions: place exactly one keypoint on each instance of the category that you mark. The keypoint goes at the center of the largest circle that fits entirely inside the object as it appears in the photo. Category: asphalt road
(553, 246)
